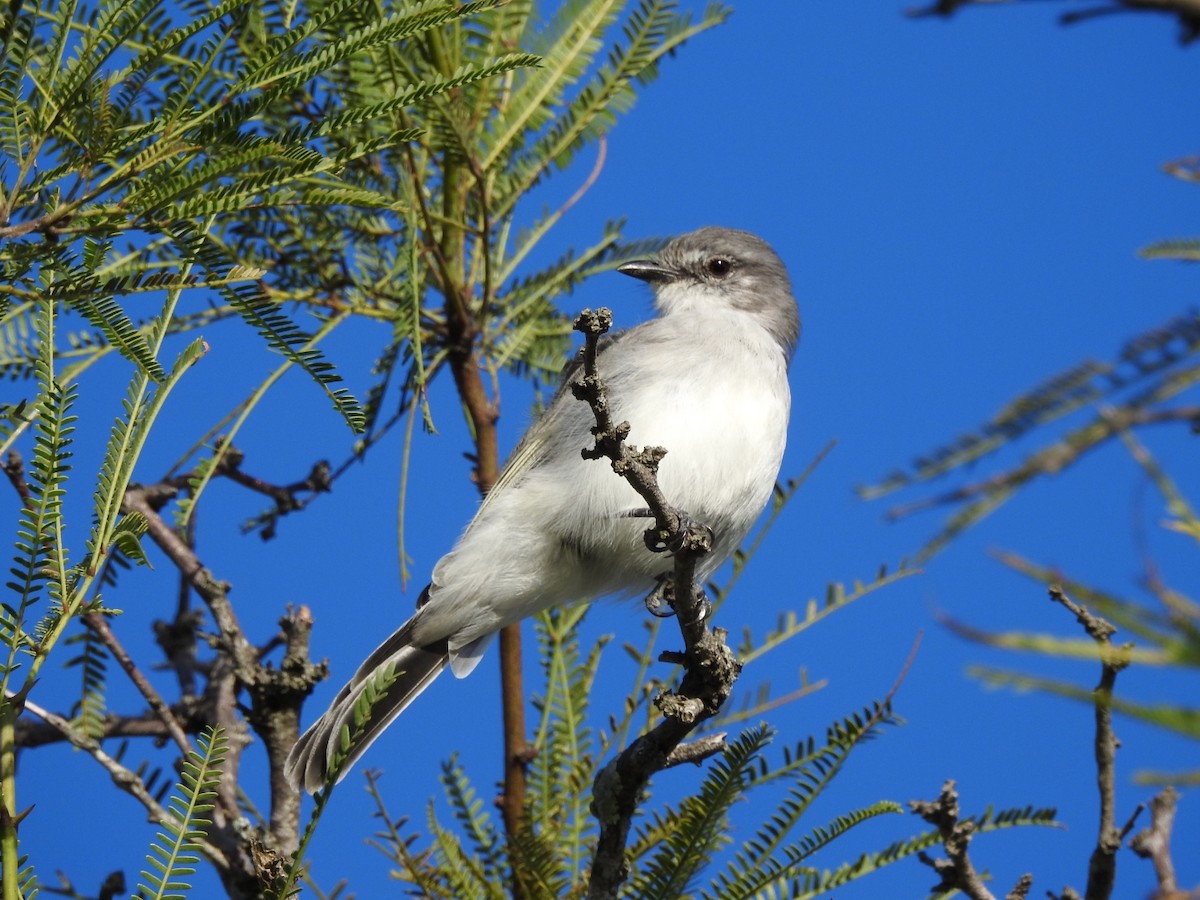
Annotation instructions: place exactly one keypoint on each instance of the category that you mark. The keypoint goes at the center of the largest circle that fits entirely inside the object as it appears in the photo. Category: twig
(286, 496)
(1154, 842)
(124, 778)
(695, 752)
(30, 733)
(710, 668)
(1102, 867)
(957, 872)
(1021, 889)
(1186, 11)
(98, 625)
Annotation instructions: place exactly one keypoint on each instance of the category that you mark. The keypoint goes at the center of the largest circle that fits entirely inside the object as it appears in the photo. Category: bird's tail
(373, 697)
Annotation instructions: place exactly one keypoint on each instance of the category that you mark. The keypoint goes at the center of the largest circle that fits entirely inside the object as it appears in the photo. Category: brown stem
(1102, 866)
(98, 625)
(482, 416)
(14, 469)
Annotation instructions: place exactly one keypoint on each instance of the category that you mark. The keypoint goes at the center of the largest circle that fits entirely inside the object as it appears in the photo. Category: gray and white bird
(706, 379)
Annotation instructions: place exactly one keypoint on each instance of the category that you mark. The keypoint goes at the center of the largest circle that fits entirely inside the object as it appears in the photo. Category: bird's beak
(647, 270)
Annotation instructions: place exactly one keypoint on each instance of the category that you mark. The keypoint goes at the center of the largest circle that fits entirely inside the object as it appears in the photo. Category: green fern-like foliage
(174, 855)
(1181, 248)
(470, 856)
(161, 126)
(430, 245)
(91, 660)
(39, 570)
(1132, 389)
(134, 137)
(810, 884)
(27, 882)
(1164, 625)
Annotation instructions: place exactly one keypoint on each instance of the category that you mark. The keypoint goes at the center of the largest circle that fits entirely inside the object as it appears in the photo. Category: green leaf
(175, 855)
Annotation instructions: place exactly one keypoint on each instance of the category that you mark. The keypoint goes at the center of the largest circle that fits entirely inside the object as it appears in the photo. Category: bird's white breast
(723, 420)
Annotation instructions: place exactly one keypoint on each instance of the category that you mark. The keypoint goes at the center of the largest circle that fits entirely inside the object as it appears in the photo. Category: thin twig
(98, 625)
(31, 733)
(126, 779)
(1102, 867)
(14, 469)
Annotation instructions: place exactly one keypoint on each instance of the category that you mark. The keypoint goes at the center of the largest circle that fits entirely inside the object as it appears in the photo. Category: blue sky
(959, 204)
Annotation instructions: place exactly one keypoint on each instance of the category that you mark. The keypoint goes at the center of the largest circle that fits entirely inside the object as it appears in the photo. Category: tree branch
(37, 734)
(710, 668)
(957, 872)
(275, 697)
(98, 625)
(124, 778)
(1186, 11)
(1154, 842)
(1102, 867)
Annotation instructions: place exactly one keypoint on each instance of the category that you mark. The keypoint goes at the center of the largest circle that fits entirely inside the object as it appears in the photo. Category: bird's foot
(660, 602)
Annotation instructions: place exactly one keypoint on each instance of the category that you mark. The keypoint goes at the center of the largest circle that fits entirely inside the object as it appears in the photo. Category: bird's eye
(718, 266)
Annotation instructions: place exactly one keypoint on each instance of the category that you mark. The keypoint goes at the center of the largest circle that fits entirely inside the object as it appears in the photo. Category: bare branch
(1102, 867)
(98, 625)
(957, 872)
(1154, 842)
(1187, 12)
(125, 779)
(30, 733)
(274, 708)
(710, 668)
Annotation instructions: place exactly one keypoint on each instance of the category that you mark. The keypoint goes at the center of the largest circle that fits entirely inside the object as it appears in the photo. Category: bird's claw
(657, 603)
(689, 536)
(660, 602)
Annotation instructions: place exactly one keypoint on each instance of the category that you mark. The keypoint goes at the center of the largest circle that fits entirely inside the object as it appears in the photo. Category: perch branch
(709, 666)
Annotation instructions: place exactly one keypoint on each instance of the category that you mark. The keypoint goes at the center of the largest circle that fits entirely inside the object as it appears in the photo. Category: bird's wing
(529, 450)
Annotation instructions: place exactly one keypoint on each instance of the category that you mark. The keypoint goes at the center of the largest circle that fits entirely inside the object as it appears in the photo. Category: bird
(706, 379)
